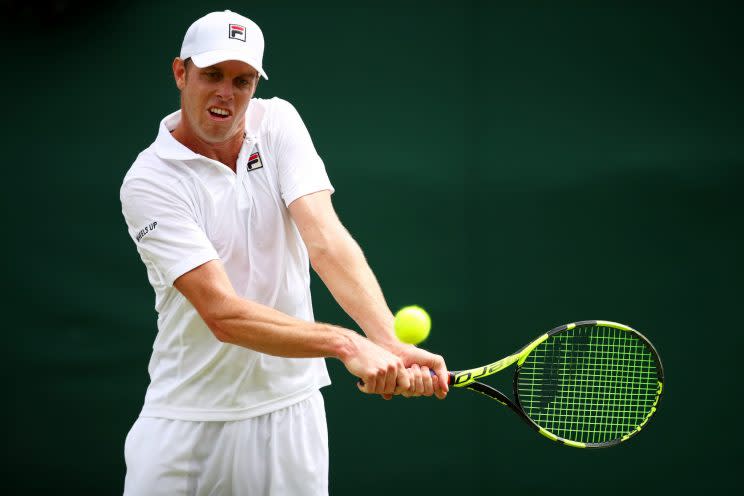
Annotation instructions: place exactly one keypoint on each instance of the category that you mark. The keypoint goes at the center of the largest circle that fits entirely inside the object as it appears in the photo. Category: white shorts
(281, 453)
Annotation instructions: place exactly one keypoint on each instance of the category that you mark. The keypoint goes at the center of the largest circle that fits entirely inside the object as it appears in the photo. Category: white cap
(222, 36)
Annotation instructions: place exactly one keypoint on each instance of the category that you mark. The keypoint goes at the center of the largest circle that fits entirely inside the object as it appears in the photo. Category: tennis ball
(412, 324)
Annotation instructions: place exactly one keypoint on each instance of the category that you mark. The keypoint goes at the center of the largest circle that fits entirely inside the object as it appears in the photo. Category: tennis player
(228, 208)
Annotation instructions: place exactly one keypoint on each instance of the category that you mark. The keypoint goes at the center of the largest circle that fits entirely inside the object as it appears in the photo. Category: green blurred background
(510, 167)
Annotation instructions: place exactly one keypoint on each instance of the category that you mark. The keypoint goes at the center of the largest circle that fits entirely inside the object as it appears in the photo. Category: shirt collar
(168, 147)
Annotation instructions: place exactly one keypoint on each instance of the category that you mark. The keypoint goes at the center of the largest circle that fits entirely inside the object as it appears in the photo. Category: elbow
(219, 329)
(318, 254)
(328, 245)
(333, 249)
(219, 322)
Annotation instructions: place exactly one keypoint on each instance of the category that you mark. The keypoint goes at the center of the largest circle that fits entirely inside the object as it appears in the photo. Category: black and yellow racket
(590, 384)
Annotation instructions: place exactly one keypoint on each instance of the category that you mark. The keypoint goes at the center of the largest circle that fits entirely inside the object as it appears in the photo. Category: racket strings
(589, 384)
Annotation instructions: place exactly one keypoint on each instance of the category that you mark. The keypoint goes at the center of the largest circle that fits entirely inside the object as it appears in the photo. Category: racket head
(590, 384)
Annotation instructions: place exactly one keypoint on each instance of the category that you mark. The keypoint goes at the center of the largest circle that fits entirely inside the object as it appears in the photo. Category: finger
(443, 375)
(391, 380)
(405, 383)
(412, 374)
(368, 384)
(404, 377)
(441, 385)
(428, 381)
(438, 388)
(387, 396)
(410, 384)
(379, 382)
(418, 389)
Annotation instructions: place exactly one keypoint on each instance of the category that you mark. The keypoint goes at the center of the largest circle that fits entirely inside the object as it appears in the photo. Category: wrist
(380, 331)
(344, 343)
(393, 345)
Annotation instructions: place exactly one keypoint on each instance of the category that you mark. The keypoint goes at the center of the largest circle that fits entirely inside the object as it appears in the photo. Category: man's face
(214, 99)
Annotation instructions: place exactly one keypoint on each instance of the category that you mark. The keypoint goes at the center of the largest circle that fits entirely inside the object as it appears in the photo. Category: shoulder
(270, 106)
(150, 173)
(266, 115)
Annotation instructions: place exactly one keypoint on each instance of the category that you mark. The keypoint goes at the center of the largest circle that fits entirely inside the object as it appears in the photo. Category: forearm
(261, 328)
(345, 272)
(242, 322)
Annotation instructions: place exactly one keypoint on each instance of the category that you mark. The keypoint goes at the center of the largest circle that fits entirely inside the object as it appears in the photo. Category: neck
(225, 152)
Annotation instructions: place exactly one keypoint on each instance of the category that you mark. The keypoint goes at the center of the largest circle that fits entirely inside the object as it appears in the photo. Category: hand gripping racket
(590, 384)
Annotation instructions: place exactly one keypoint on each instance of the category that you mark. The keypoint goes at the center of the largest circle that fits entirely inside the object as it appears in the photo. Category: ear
(179, 73)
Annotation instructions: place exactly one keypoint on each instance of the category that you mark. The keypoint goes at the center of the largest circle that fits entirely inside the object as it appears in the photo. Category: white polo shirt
(182, 210)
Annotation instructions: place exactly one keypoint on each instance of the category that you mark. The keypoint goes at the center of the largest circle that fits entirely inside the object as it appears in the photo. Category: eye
(244, 83)
(213, 75)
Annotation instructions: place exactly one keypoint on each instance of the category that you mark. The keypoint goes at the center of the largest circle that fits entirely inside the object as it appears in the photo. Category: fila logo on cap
(237, 32)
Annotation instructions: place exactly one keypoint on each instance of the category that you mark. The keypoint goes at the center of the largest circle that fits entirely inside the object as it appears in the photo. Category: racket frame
(468, 379)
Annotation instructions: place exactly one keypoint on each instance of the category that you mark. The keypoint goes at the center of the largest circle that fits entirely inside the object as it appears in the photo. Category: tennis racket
(589, 384)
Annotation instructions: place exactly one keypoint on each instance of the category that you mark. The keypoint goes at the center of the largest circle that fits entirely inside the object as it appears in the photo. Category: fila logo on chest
(254, 162)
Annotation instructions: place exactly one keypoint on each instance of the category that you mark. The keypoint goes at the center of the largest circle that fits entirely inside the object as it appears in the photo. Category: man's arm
(242, 322)
(340, 263)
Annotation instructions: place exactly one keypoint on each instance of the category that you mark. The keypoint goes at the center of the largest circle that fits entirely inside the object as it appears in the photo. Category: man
(227, 208)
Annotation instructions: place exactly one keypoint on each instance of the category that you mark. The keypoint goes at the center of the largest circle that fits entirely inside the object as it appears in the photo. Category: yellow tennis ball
(412, 324)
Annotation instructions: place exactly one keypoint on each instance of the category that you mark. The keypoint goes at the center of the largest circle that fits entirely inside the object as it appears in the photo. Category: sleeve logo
(146, 230)
(237, 32)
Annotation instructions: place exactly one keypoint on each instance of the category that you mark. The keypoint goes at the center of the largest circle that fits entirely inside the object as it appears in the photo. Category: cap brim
(216, 56)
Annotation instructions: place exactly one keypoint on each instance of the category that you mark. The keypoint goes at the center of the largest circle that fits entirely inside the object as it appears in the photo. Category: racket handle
(450, 378)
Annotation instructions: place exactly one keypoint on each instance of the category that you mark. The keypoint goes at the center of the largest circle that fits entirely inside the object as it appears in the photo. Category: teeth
(219, 111)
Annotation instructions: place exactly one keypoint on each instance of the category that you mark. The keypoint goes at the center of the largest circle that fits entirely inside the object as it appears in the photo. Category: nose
(225, 90)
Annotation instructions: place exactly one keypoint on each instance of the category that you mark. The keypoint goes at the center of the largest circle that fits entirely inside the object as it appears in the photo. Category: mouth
(219, 113)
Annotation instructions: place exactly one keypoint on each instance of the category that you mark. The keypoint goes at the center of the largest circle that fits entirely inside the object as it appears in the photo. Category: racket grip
(450, 377)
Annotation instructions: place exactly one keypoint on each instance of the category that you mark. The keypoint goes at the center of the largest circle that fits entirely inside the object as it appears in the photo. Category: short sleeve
(164, 228)
(301, 170)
